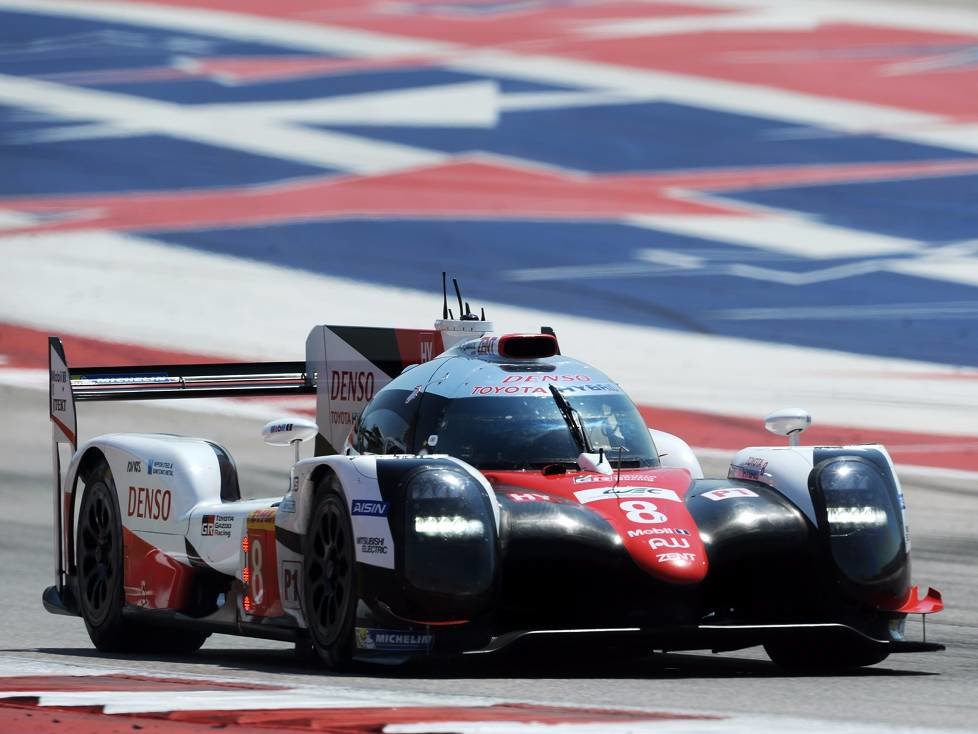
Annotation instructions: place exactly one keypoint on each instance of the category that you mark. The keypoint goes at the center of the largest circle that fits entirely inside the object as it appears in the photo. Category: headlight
(449, 527)
(862, 518)
(449, 545)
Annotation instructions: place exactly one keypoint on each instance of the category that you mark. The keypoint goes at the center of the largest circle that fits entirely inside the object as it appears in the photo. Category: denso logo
(150, 504)
(348, 385)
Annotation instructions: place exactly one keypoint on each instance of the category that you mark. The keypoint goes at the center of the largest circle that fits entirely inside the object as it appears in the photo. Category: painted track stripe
(26, 353)
(733, 433)
(40, 712)
(97, 703)
(119, 682)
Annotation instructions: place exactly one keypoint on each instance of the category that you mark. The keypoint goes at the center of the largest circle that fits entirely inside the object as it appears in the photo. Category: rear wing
(68, 386)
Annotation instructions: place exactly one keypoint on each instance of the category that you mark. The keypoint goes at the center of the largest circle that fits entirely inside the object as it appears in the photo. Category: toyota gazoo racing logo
(216, 525)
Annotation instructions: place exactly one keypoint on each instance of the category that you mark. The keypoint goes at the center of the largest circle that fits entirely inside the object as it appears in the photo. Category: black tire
(101, 577)
(329, 593)
(806, 657)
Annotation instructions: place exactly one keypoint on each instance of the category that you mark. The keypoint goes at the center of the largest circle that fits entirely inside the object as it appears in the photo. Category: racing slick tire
(329, 578)
(101, 577)
(805, 657)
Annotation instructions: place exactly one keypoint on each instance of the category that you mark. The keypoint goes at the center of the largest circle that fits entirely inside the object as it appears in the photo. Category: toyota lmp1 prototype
(467, 492)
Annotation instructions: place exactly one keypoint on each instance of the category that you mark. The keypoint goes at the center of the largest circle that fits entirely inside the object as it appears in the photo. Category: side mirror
(788, 422)
(289, 431)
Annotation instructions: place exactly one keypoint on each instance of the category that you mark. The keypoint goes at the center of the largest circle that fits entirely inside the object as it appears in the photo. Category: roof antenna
(483, 314)
(444, 295)
(458, 295)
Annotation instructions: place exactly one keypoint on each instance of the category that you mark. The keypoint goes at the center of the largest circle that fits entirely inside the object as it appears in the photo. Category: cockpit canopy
(496, 415)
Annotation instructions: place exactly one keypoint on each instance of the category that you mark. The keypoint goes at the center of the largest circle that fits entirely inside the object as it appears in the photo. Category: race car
(470, 492)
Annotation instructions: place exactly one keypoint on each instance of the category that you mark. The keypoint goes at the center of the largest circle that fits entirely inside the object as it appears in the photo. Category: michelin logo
(392, 640)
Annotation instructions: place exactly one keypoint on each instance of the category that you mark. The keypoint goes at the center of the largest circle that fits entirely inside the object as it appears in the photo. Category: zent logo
(370, 507)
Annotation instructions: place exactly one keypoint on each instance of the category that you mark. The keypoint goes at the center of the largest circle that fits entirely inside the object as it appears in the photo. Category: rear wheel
(329, 579)
(808, 657)
(101, 576)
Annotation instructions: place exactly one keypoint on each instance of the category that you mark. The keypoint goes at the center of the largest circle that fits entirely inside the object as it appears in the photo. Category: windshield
(530, 432)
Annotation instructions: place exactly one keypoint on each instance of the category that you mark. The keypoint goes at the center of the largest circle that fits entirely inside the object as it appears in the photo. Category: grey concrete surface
(934, 690)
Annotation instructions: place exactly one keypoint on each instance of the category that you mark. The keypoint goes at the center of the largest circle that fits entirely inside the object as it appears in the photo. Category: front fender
(375, 489)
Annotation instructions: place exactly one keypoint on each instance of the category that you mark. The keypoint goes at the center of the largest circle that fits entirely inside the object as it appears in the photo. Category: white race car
(469, 491)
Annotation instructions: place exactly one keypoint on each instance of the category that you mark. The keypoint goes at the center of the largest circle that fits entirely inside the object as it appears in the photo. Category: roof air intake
(527, 346)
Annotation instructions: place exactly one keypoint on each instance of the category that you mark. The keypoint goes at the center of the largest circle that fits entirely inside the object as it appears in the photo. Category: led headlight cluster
(449, 533)
(862, 518)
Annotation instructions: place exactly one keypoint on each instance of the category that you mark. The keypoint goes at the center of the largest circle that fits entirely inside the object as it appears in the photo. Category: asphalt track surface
(926, 690)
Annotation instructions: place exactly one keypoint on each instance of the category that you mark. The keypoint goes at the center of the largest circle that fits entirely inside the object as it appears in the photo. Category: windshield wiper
(573, 420)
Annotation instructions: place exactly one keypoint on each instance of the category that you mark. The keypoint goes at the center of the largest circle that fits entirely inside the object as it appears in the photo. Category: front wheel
(808, 657)
(329, 579)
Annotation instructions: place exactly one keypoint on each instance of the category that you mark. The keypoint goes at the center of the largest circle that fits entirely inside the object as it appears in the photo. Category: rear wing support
(155, 382)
